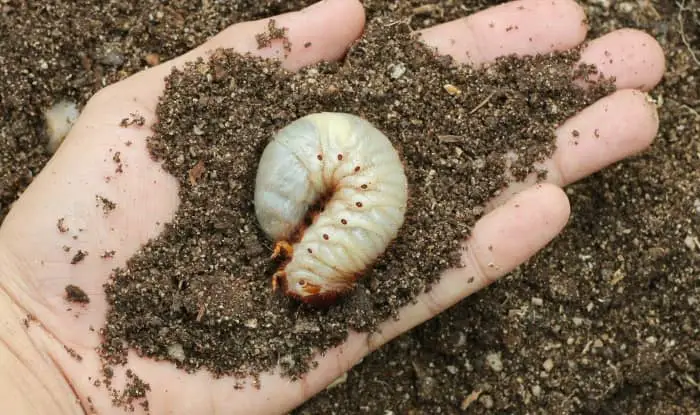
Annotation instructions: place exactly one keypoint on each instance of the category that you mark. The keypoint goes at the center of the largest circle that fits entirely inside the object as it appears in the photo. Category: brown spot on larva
(307, 44)
(357, 168)
(364, 186)
(309, 250)
(340, 157)
(358, 204)
(319, 157)
(344, 222)
(325, 236)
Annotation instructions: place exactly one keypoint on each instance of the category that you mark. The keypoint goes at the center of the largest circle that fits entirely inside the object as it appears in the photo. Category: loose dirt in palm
(605, 319)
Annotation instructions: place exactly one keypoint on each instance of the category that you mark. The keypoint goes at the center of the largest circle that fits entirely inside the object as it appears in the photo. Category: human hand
(34, 269)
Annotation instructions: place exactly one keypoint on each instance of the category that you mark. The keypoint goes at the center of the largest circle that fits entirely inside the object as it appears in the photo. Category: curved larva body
(342, 160)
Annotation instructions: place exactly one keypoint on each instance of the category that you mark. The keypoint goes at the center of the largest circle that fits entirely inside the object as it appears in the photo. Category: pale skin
(37, 375)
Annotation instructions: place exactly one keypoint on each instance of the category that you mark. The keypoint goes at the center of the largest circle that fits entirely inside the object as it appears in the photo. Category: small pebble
(487, 401)
(428, 388)
(152, 59)
(452, 90)
(176, 352)
(397, 70)
(494, 361)
(548, 365)
(112, 57)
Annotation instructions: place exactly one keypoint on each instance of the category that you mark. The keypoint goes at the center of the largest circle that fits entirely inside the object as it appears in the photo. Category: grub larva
(331, 192)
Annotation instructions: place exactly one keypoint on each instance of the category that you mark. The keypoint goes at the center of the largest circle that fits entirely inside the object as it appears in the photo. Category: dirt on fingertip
(605, 320)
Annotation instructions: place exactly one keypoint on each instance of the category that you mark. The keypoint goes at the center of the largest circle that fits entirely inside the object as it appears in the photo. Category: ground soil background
(604, 320)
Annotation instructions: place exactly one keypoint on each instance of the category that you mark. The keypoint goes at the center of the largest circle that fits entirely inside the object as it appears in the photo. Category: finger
(613, 128)
(633, 58)
(524, 27)
(322, 31)
(500, 241)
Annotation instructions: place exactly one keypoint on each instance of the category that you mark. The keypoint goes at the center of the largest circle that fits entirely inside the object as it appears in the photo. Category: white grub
(59, 120)
(344, 160)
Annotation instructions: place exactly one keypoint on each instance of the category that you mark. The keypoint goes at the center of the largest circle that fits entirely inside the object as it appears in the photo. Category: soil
(603, 320)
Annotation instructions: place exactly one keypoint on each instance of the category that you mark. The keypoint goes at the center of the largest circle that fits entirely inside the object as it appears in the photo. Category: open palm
(100, 158)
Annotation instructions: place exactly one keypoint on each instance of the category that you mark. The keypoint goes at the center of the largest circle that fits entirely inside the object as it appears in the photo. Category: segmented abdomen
(344, 160)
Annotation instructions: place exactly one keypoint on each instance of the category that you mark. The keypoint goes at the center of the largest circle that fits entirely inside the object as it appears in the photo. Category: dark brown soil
(604, 320)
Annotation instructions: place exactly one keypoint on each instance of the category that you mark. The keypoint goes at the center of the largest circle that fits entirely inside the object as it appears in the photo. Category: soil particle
(133, 119)
(78, 257)
(134, 393)
(75, 294)
(73, 353)
(273, 33)
(107, 205)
